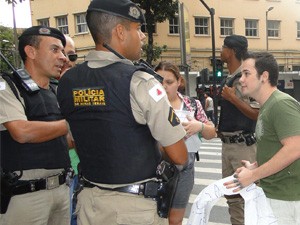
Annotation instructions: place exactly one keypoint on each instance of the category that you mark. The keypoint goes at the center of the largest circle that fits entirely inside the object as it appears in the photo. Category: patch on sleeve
(93, 96)
(157, 92)
(173, 118)
(2, 86)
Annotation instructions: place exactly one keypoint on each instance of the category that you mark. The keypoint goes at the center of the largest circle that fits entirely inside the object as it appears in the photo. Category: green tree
(6, 47)
(156, 12)
(14, 1)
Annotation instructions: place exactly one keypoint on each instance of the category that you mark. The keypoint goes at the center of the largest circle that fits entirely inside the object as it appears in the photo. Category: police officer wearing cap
(237, 121)
(117, 114)
(34, 152)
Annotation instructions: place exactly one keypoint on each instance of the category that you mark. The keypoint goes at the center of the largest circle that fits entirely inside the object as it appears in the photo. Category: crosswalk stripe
(209, 153)
(208, 170)
(210, 161)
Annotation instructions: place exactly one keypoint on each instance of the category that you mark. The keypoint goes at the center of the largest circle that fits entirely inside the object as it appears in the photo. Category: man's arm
(228, 94)
(289, 153)
(177, 152)
(24, 131)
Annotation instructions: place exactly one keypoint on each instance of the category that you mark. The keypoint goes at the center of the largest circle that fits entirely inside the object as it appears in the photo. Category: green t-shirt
(74, 159)
(278, 118)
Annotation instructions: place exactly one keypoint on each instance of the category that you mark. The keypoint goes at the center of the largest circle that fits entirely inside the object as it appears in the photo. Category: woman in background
(196, 123)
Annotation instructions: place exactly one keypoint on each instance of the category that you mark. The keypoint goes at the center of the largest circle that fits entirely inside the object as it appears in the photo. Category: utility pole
(212, 13)
(267, 34)
(17, 63)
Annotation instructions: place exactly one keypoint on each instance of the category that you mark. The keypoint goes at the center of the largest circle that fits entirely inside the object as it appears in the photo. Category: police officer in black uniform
(117, 114)
(237, 121)
(34, 152)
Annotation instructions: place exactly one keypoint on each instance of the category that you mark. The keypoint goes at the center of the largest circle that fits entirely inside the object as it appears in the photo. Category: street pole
(267, 34)
(17, 64)
(212, 13)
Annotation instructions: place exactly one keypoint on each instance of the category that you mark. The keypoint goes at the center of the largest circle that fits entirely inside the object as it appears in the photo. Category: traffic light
(219, 69)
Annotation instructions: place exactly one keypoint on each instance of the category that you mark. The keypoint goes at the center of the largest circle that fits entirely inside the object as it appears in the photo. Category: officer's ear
(30, 51)
(121, 31)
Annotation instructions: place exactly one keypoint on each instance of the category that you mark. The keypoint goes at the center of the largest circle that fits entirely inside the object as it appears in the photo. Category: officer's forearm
(24, 131)
(177, 152)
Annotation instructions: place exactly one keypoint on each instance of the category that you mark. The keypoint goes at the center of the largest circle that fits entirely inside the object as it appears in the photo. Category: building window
(281, 68)
(144, 28)
(62, 24)
(251, 28)
(174, 25)
(273, 28)
(226, 27)
(81, 26)
(44, 22)
(298, 29)
(201, 25)
(296, 68)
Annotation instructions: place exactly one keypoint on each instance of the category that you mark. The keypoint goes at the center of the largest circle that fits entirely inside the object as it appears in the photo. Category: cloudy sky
(22, 14)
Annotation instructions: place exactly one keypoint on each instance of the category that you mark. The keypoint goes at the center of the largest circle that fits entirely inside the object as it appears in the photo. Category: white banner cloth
(257, 209)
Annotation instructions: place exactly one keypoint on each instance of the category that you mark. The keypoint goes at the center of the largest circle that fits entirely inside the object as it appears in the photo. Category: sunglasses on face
(72, 57)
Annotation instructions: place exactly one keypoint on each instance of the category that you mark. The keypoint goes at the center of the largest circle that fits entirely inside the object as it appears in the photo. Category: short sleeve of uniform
(151, 106)
(10, 107)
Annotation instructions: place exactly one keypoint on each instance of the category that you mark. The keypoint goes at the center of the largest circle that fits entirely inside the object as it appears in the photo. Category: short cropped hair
(265, 61)
(101, 25)
(33, 40)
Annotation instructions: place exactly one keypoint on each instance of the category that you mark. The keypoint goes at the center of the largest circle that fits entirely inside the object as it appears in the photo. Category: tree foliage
(6, 47)
(14, 1)
(156, 11)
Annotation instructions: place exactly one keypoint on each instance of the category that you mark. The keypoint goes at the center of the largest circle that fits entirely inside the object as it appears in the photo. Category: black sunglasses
(72, 57)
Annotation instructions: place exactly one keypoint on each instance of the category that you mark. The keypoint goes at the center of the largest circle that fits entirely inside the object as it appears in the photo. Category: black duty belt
(51, 182)
(148, 189)
(247, 138)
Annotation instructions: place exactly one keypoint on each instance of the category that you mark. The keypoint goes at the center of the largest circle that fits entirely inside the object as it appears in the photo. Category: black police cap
(44, 31)
(123, 8)
(236, 41)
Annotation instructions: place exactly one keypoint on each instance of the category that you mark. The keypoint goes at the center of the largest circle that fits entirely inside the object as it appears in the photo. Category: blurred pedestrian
(195, 123)
(278, 137)
(117, 114)
(34, 151)
(209, 107)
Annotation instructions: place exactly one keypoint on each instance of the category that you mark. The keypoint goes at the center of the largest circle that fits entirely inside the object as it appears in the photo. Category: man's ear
(265, 76)
(30, 51)
(120, 31)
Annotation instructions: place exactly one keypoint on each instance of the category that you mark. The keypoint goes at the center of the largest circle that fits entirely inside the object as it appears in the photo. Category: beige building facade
(268, 24)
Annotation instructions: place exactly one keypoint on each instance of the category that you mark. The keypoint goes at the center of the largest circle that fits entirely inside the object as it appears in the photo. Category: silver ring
(241, 186)
(235, 181)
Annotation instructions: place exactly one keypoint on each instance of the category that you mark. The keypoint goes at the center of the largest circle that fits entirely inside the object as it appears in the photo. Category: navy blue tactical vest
(113, 148)
(53, 154)
(232, 119)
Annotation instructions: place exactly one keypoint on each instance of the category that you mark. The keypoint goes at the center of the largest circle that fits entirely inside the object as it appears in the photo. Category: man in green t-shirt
(278, 138)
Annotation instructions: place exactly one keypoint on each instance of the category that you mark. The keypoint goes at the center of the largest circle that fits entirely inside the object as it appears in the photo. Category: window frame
(202, 26)
(64, 28)
(81, 24)
(226, 30)
(253, 28)
(41, 22)
(273, 30)
(173, 26)
(298, 29)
